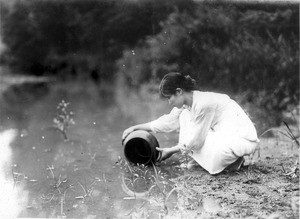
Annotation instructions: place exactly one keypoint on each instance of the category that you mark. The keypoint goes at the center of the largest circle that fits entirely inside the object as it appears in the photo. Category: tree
(252, 52)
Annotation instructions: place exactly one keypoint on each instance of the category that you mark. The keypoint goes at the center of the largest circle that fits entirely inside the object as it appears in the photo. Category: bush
(49, 37)
(232, 49)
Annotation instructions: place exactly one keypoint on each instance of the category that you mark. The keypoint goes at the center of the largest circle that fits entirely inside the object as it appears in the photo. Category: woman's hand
(127, 132)
(167, 152)
(144, 126)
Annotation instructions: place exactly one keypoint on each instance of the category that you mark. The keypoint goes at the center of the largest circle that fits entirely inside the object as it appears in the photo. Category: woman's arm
(144, 126)
(168, 152)
(166, 123)
(201, 125)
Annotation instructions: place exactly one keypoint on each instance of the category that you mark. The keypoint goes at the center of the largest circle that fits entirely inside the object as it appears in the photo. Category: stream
(85, 175)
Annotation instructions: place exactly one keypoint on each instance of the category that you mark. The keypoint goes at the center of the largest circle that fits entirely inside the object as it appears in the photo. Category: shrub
(251, 52)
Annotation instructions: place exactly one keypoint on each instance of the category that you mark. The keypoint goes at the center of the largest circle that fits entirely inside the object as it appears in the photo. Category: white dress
(215, 130)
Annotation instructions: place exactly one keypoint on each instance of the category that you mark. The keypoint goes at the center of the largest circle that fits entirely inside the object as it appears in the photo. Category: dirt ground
(266, 188)
(269, 188)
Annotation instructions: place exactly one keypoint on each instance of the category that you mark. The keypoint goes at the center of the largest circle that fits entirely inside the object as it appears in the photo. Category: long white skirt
(225, 143)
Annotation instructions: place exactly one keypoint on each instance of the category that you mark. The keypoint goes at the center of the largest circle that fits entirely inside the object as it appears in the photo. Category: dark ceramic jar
(140, 148)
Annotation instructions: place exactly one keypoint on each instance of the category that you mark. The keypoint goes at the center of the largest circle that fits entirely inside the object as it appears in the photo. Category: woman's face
(176, 100)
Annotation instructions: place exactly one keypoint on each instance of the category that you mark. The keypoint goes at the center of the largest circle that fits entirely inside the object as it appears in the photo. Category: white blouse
(209, 111)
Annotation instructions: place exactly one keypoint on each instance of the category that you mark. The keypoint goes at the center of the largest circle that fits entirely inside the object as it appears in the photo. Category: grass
(286, 131)
(58, 188)
(16, 178)
(158, 189)
(87, 192)
(293, 171)
(230, 190)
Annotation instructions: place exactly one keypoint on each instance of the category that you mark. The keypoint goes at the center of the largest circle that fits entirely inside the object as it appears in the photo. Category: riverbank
(8, 79)
(79, 178)
(267, 187)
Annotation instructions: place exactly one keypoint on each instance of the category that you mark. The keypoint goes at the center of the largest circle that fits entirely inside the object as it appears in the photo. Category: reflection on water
(150, 184)
(47, 176)
(74, 178)
(16, 102)
(12, 196)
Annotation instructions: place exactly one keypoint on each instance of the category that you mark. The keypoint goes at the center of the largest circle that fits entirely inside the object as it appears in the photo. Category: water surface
(81, 176)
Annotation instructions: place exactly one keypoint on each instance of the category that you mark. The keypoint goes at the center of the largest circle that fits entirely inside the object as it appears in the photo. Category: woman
(213, 129)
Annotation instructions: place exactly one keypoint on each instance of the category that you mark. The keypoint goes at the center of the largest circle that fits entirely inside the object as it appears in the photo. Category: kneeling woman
(213, 129)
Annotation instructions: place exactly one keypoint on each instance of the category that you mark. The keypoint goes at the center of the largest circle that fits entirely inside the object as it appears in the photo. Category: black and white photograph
(161, 109)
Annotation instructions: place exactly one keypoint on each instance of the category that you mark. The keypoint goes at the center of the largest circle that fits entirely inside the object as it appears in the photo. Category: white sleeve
(201, 125)
(167, 123)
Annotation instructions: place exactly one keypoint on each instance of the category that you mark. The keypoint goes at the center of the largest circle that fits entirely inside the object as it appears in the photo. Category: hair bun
(174, 80)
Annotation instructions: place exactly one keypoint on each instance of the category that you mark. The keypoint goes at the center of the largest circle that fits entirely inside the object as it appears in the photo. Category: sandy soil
(269, 188)
(266, 187)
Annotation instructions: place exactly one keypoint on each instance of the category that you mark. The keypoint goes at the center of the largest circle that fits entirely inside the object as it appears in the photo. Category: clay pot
(140, 148)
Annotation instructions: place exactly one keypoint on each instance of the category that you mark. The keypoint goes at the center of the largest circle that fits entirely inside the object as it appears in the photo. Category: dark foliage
(78, 37)
(248, 51)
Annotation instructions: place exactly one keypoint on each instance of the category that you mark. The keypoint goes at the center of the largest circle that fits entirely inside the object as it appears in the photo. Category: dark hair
(174, 80)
